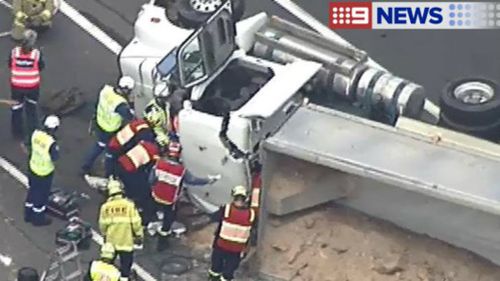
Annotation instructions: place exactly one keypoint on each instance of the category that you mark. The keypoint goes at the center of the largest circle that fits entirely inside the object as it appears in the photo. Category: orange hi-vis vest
(168, 187)
(235, 228)
(127, 133)
(141, 154)
(25, 72)
(256, 187)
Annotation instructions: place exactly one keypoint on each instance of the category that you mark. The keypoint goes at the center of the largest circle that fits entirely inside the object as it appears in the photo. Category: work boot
(42, 221)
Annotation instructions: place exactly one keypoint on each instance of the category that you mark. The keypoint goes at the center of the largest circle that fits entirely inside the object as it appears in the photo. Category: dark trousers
(102, 139)
(137, 188)
(224, 262)
(110, 163)
(25, 98)
(126, 261)
(37, 197)
(169, 214)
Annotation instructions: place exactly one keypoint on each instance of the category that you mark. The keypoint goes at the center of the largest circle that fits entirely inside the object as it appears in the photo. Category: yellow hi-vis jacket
(120, 223)
(101, 271)
(107, 117)
(41, 163)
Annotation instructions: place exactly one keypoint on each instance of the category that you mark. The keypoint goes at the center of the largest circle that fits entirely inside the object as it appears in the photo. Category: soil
(334, 243)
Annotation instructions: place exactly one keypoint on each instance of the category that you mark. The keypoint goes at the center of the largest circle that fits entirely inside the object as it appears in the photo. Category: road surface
(76, 59)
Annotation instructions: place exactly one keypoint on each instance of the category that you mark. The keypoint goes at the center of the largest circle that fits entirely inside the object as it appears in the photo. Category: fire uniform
(112, 111)
(31, 13)
(25, 67)
(231, 238)
(133, 169)
(121, 226)
(125, 139)
(104, 268)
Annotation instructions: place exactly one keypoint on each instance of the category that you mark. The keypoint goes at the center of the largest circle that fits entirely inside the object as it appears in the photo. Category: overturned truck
(295, 99)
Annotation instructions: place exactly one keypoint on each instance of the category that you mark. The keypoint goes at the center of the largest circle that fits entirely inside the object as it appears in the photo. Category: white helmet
(51, 122)
(126, 82)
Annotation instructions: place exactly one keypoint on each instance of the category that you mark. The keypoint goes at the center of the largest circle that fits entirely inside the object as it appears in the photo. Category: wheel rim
(474, 93)
(205, 6)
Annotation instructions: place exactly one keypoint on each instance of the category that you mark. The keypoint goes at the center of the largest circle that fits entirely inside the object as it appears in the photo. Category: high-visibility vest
(102, 271)
(235, 228)
(168, 186)
(127, 133)
(141, 154)
(120, 223)
(255, 195)
(107, 117)
(41, 163)
(25, 72)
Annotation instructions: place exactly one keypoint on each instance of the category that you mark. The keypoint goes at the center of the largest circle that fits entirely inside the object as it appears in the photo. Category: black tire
(27, 274)
(470, 114)
(488, 132)
(190, 18)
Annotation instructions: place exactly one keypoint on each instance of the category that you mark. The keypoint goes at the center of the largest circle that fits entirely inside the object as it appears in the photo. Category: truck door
(198, 58)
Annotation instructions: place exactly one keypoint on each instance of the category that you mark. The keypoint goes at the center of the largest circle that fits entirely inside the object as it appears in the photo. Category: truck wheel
(471, 102)
(193, 13)
(488, 132)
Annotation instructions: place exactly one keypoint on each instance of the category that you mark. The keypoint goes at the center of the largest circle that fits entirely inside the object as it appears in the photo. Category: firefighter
(112, 112)
(35, 14)
(160, 107)
(25, 63)
(120, 224)
(104, 268)
(133, 169)
(236, 220)
(168, 178)
(128, 137)
(44, 152)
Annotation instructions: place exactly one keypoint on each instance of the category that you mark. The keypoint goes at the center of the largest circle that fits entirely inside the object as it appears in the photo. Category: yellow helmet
(107, 251)
(153, 116)
(114, 187)
(239, 190)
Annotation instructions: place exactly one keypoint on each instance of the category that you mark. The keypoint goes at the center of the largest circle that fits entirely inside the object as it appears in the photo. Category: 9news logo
(355, 15)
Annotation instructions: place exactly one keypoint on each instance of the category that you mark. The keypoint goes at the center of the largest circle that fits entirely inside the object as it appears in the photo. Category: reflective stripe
(139, 156)
(168, 178)
(101, 271)
(125, 134)
(235, 233)
(39, 210)
(118, 220)
(254, 203)
(24, 69)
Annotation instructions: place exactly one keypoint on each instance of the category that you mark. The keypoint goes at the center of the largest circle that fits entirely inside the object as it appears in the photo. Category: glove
(214, 178)
(138, 245)
(46, 15)
(21, 16)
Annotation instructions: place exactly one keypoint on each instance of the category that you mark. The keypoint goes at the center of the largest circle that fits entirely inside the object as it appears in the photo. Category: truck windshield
(192, 61)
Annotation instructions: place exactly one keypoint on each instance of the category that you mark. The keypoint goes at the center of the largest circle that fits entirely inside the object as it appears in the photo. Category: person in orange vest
(25, 63)
(236, 220)
(168, 178)
(133, 168)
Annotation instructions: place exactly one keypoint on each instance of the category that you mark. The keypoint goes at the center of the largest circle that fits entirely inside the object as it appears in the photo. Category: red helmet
(174, 149)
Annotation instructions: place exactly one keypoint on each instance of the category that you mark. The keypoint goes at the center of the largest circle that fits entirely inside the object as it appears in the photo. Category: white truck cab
(241, 82)
(235, 100)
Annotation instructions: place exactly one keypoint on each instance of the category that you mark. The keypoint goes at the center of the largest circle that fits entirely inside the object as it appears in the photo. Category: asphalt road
(74, 59)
